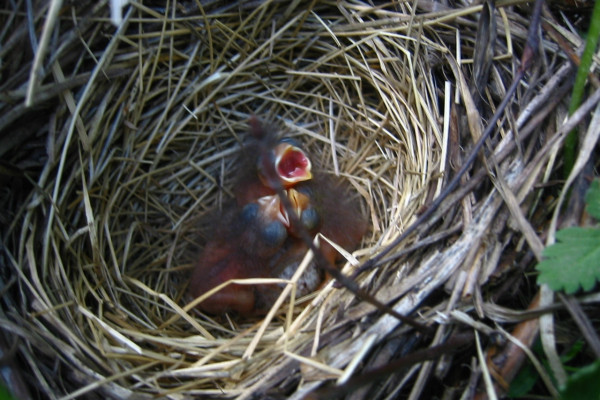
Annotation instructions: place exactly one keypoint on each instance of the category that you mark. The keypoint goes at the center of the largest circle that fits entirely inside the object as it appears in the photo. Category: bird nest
(120, 139)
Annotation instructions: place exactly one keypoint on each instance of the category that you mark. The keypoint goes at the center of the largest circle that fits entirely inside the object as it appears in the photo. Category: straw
(118, 143)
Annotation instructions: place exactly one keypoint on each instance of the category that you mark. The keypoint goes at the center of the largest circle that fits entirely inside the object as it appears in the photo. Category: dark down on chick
(255, 237)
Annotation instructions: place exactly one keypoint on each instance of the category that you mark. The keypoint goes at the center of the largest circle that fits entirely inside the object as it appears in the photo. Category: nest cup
(142, 143)
(109, 237)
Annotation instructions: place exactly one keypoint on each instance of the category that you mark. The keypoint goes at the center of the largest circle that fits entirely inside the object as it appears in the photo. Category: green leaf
(592, 198)
(5, 393)
(583, 384)
(572, 352)
(573, 261)
(523, 382)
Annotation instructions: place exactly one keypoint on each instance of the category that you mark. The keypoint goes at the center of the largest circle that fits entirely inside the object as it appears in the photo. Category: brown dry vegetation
(116, 141)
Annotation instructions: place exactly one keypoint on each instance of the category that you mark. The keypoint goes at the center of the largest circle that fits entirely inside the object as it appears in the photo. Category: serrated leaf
(583, 384)
(592, 198)
(573, 261)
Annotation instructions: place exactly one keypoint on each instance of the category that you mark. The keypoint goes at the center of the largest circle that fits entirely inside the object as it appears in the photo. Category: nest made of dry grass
(137, 128)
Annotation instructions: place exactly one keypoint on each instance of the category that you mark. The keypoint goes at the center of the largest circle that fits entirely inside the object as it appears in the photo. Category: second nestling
(255, 237)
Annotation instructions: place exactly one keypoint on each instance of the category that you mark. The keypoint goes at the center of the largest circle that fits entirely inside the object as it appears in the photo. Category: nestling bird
(240, 248)
(256, 236)
(265, 153)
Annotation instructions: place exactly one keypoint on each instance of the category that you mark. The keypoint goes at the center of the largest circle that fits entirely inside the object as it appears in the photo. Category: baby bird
(334, 213)
(240, 248)
(266, 155)
(256, 237)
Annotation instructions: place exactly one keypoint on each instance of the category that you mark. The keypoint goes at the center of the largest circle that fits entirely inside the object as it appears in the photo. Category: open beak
(299, 201)
(292, 164)
(271, 208)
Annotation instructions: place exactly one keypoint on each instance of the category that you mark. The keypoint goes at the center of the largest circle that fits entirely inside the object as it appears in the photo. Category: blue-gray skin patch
(291, 141)
(310, 218)
(249, 213)
(274, 233)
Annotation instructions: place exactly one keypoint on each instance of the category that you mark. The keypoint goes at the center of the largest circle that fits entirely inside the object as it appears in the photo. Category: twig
(272, 177)
(583, 322)
(454, 344)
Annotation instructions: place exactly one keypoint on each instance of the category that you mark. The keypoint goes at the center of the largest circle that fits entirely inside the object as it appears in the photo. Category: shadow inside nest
(283, 201)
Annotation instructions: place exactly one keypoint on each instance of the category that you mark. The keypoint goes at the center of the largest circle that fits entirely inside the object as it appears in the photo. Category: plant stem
(578, 88)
